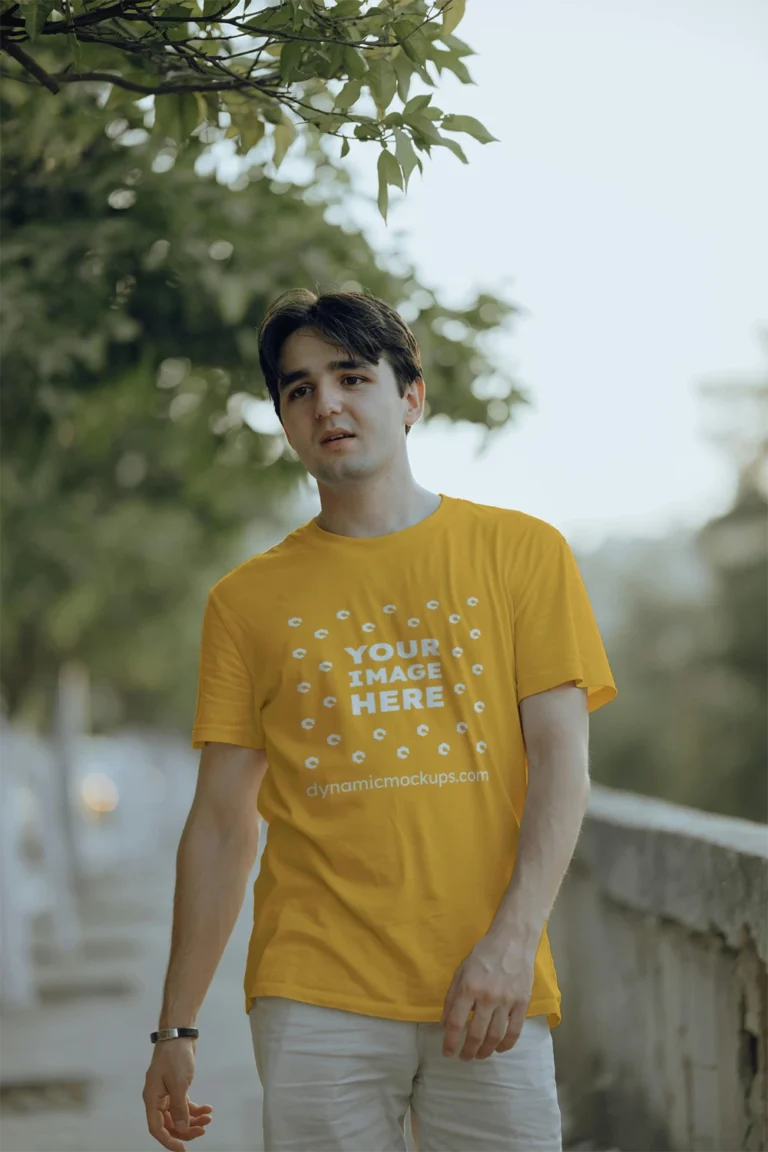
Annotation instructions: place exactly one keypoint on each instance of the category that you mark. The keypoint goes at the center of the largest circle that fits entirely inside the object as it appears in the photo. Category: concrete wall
(660, 938)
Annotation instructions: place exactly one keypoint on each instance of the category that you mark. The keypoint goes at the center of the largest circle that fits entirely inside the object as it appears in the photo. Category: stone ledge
(706, 872)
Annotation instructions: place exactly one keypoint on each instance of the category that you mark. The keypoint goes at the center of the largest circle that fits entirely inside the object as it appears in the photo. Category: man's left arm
(496, 979)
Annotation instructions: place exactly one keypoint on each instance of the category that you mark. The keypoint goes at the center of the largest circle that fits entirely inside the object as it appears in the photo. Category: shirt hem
(598, 692)
(243, 737)
(549, 1007)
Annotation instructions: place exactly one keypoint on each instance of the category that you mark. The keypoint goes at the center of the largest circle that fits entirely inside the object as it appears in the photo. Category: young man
(402, 688)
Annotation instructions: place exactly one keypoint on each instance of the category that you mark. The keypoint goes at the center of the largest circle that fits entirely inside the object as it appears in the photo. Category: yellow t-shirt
(383, 677)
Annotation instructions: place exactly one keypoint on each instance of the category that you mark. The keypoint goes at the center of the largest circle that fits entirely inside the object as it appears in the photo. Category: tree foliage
(257, 72)
(133, 287)
(690, 723)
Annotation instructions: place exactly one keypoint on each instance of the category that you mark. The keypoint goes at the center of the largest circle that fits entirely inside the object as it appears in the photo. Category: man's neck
(368, 514)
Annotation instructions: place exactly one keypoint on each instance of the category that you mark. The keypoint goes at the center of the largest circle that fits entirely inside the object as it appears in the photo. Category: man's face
(325, 391)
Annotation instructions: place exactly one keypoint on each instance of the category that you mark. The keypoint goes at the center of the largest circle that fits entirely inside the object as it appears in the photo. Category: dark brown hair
(359, 322)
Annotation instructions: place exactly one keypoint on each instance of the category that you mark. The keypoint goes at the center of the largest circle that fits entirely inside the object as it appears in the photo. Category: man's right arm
(216, 853)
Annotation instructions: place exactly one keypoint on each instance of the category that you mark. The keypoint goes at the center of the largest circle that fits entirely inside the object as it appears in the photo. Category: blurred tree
(689, 723)
(736, 548)
(255, 71)
(131, 388)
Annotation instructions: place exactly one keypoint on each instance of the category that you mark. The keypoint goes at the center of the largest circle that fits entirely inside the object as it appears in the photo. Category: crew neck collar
(420, 529)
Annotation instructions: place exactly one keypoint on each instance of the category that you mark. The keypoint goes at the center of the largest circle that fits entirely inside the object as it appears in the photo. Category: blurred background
(589, 294)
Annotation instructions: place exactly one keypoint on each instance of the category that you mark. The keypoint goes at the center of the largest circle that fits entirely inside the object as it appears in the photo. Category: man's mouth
(337, 436)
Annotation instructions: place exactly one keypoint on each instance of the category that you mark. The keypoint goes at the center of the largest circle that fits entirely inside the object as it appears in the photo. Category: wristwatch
(172, 1033)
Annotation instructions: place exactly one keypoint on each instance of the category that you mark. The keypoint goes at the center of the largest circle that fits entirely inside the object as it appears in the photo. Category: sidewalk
(93, 1025)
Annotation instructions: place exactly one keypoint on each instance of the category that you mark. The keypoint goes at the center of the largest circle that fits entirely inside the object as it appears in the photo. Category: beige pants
(338, 1081)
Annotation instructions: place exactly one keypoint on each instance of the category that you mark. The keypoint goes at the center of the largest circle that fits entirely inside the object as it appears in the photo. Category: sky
(623, 209)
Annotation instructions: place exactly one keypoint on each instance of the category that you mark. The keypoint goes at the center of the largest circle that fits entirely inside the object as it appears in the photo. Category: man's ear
(419, 409)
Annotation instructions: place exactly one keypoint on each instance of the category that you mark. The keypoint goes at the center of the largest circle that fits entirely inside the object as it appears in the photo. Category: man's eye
(348, 378)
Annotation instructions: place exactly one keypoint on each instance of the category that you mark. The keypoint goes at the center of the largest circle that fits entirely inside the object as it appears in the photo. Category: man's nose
(328, 399)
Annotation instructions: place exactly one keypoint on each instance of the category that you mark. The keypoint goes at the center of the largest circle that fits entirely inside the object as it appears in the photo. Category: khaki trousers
(337, 1081)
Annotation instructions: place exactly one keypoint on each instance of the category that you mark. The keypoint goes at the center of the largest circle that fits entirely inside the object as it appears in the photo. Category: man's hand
(171, 1115)
(495, 983)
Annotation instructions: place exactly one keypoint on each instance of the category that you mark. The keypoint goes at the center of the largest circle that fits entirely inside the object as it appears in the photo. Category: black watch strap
(172, 1033)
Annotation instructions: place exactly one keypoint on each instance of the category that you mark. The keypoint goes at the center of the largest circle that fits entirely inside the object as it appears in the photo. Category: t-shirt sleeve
(228, 708)
(556, 635)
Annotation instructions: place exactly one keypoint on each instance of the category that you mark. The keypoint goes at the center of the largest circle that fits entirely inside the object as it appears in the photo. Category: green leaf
(404, 72)
(348, 95)
(290, 60)
(212, 7)
(354, 64)
(458, 67)
(383, 197)
(424, 127)
(335, 53)
(189, 114)
(77, 55)
(344, 146)
(453, 12)
(35, 13)
(391, 169)
(326, 121)
(423, 73)
(344, 9)
(469, 125)
(417, 103)
(454, 147)
(285, 134)
(366, 130)
(458, 47)
(252, 130)
(405, 154)
(270, 18)
(272, 113)
(417, 47)
(180, 30)
(382, 81)
(177, 115)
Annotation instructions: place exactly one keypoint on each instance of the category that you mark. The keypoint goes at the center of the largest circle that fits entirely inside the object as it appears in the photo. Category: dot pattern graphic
(460, 689)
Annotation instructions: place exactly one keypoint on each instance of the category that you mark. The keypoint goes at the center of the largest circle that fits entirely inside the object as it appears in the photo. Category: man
(402, 688)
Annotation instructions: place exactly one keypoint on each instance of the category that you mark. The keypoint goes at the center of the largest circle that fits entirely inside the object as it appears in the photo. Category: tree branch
(31, 66)
(146, 89)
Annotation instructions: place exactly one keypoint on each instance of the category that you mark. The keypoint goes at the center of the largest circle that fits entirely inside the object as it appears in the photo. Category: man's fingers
(455, 1022)
(199, 1109)
(448, 1004)
(179, 1105)
(476, 1033)
(497, 1030)
(199, 1116)
(179, 1116)
(196, 1127)
(514, 1028)
(157, 1128)
(171, 1116)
